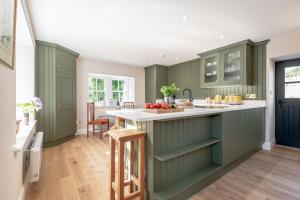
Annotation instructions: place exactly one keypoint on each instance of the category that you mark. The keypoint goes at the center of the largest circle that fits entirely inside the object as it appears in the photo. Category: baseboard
(269, 145)
(81, 132)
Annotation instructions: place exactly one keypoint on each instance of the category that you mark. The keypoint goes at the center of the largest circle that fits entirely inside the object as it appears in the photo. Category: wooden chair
(117, 184)
(95, 122)
(129, 105)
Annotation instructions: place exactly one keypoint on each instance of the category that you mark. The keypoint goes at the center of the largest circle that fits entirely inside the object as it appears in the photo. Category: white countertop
(139, 115)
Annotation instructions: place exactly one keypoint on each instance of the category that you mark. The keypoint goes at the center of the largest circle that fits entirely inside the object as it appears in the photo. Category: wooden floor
(78, 170)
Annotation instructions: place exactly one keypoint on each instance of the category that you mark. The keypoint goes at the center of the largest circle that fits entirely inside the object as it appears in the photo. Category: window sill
(25, 133)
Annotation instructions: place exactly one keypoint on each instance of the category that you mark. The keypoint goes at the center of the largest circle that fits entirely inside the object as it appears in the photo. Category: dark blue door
(288, 103)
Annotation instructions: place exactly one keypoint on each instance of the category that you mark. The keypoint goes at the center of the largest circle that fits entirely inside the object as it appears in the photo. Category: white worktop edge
(139, 115)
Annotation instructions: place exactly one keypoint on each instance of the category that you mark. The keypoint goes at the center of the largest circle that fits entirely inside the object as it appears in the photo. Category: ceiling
(143, 32)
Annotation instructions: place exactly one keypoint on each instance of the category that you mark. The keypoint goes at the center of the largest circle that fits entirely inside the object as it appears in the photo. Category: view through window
(292, 82)
(96, 89)
(107, 89)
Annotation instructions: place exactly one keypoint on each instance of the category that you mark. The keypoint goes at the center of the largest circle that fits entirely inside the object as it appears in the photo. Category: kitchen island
(186, 151)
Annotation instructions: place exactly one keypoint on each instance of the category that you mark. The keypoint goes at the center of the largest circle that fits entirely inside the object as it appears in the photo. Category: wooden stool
(120, 137)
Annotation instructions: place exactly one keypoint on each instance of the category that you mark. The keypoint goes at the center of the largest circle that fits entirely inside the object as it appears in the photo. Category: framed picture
(7, 31)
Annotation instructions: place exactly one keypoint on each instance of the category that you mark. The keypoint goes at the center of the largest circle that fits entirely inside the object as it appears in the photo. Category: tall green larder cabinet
(156, 76)
(56, 86)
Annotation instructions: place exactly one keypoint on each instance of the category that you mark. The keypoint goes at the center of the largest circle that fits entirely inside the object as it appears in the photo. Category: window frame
(289, 82)
(128, 88)
(97, 89)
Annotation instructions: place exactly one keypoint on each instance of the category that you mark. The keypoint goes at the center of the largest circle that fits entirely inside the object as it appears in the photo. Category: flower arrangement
(30, 107)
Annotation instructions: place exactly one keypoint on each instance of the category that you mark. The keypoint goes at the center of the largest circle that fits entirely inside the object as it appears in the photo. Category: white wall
(25, 72)
(25, 77)
(281, 47)
(10, 166)
(86, 66)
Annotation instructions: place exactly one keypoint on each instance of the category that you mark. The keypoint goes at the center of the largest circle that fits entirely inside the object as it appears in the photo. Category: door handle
(280, 102)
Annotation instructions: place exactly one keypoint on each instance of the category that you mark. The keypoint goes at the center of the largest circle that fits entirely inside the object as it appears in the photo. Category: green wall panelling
(56, 86)
(187, 75)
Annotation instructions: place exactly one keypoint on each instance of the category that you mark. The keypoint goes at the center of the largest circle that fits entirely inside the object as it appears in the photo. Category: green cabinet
(210, 70)
(155, 77)
(229, 65)
(56, 86)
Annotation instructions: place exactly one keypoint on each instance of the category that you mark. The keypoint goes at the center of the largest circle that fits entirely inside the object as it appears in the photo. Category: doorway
(287, 88)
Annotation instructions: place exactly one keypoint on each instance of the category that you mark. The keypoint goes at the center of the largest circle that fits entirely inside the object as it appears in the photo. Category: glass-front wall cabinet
(210, 67)
(232, 66)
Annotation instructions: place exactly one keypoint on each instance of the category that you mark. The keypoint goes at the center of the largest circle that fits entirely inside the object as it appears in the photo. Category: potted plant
(30, 107)
(168, 91)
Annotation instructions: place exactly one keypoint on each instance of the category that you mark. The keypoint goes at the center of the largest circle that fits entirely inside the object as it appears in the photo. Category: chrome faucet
(190, 93)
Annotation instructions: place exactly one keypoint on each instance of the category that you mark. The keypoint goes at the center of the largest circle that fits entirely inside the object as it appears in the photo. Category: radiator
(36, 157)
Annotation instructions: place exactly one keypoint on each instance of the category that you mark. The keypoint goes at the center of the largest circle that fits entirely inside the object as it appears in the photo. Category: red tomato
(152, 106)
(164, 105)
(147, 105)
(158, 105)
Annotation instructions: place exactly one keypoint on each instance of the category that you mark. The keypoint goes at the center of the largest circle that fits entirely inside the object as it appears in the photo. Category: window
(117, 89)
(107, 89)
(96, 89)
(292, 82)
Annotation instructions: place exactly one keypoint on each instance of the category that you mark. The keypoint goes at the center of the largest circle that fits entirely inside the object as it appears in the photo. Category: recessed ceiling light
(177, 58)
(204, 49)
(221, 37)
(162, 56)
(185, 18)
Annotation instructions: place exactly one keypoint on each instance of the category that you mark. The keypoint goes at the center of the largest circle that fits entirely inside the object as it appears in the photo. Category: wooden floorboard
(78, 170)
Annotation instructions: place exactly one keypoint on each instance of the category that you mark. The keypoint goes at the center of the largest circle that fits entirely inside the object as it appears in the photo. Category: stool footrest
(132, 195)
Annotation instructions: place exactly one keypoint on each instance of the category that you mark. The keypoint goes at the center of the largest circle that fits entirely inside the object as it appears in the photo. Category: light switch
(250, 96)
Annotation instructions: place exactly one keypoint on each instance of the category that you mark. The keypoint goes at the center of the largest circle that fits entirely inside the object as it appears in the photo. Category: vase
(26, 118)
(168, 100)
